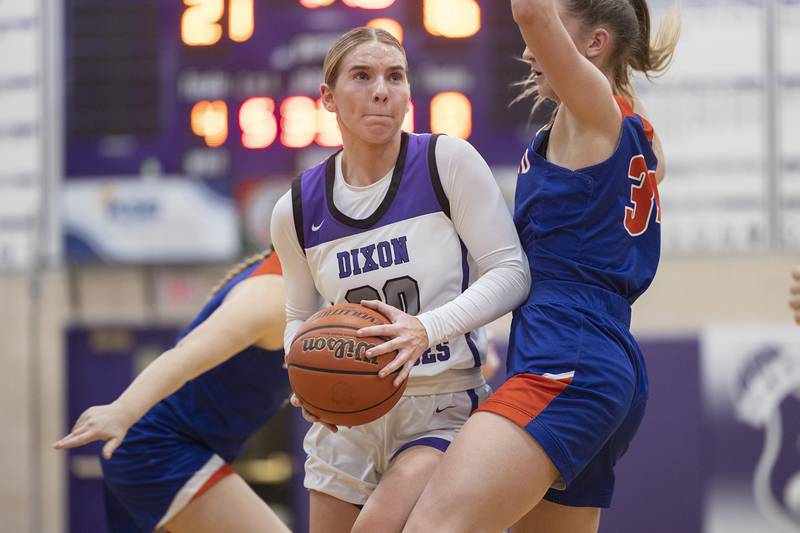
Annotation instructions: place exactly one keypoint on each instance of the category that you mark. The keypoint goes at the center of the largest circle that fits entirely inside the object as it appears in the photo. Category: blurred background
(143, 144)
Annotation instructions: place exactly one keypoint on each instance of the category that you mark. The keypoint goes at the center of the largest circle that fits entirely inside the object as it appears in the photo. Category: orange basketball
(330, 372)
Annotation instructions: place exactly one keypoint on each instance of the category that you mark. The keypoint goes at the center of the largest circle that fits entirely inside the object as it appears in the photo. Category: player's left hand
(109, 423)
(407, 336)
(794, 291)
(295, 401)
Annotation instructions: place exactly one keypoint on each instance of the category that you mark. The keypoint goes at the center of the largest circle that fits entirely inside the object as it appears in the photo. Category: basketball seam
(337, 371)
(399, 389)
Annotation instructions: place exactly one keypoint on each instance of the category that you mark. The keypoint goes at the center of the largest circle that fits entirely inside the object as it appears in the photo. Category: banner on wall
(158, 220)
(751, 399)
(256, 199)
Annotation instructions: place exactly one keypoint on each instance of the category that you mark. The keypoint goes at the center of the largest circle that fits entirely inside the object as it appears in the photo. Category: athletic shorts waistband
(581, 295)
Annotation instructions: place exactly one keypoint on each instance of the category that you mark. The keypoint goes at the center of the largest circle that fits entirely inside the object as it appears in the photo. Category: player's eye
(396, 76)
(361, 75)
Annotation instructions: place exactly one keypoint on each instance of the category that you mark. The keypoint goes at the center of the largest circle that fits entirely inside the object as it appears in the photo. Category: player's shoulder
(283, 207)
(447, 146)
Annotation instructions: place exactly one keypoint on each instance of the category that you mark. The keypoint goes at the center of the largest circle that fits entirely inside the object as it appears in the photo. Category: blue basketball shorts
(154, 474)
(578, 384)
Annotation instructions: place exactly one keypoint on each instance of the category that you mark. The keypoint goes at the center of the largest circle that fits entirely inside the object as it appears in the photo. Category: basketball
(330, 372)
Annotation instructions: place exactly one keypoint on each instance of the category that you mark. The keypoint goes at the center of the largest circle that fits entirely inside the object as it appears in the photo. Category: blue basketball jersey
(224, 406)
(599, 225)
(578, 380)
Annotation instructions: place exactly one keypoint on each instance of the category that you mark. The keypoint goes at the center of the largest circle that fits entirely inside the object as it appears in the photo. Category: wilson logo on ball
(341, 348)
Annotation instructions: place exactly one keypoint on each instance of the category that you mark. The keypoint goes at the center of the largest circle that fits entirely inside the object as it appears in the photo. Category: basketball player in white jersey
(416, 225)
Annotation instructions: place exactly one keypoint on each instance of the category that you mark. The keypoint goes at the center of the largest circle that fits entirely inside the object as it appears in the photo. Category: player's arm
(251, 314)
(482, 220)
(302, 298)
(661, 168)
(581, 87)
(484, 224)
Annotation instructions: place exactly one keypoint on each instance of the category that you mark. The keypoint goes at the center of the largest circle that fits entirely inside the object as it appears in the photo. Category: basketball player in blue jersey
(416, 225)
(543, 447)
(171, 436)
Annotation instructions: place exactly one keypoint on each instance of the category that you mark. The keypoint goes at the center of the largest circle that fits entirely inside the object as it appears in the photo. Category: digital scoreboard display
(230, 88)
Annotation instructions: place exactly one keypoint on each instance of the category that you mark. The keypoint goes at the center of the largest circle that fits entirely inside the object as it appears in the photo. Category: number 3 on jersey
(644, 197)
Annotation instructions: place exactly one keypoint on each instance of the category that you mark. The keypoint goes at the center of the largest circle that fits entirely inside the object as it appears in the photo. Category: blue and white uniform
(187, 440)
(578, 382)
(433, 238)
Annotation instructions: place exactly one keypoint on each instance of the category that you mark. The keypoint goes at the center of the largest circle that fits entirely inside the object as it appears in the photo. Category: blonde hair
(628, 21)
(350, 40)
(238, 269)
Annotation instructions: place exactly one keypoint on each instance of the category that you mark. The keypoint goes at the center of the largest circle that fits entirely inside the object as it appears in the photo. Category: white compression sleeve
(302, 298)
(484, 224)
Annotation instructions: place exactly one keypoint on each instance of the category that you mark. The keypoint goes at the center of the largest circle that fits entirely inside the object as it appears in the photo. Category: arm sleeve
(302, 298)
(482, 220)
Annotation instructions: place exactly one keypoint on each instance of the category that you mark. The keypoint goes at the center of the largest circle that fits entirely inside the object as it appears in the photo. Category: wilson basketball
(331, 373)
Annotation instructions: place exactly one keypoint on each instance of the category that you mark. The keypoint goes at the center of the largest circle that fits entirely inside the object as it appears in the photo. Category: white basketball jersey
(407, 254)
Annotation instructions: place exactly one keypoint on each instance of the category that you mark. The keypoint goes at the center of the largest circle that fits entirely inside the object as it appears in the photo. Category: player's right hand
(297, 402)
(108, 423)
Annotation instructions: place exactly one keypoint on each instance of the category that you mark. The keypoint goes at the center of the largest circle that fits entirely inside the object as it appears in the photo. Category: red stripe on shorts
(221, 473)
(523, 397)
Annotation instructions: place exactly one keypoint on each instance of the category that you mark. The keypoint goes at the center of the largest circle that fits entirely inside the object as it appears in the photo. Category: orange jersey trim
(223, 472)
(523, 397)
(270, 265)
(627, 111)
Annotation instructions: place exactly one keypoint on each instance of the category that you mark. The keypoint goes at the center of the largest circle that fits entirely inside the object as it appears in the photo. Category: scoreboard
(228, 89)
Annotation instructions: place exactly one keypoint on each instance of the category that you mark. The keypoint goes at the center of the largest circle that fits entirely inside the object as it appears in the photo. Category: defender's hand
(108, 423)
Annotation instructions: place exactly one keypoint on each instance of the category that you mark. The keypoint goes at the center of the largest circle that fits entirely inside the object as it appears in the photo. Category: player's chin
(545, 91)
(380, 132)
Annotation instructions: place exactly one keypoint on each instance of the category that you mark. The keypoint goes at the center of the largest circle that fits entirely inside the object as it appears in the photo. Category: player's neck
(363, 164)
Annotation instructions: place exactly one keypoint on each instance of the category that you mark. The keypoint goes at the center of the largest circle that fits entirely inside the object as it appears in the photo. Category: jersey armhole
(270, 265)
(436, 181)
(297, 210)
(627, 111)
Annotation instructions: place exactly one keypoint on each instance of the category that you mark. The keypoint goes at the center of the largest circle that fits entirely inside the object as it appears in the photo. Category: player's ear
(326, 95)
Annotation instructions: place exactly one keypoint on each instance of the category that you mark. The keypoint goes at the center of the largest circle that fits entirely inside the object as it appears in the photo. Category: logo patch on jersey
(525, 164)
(341, 348)
(644, 197)
(316, 227)
(372, 257)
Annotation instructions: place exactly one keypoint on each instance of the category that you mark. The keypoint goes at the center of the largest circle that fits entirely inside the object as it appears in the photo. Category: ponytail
(653, 57)
(238, 269)
(634, 50)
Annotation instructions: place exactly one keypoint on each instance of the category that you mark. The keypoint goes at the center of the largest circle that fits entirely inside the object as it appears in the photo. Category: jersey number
(644, 197)
(402, 293)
